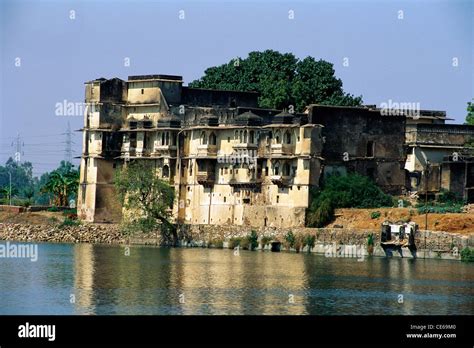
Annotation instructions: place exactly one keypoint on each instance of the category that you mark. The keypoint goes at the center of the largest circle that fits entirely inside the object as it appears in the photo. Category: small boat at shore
(398, 235)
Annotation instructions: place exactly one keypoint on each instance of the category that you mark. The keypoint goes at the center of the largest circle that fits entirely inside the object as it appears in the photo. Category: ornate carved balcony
(164, 150)
(207, 151)
(281, 180)
(251, 182)
(206, 179)
(281, 149)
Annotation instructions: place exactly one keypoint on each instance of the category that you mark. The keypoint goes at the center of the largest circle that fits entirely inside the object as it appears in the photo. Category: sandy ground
(40, 218)
(348, 218)
(361, 218)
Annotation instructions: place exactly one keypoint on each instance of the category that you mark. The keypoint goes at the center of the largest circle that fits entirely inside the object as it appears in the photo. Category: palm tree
(61, 186)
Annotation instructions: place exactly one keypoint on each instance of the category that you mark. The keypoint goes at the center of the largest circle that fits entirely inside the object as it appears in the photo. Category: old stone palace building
(229, 161)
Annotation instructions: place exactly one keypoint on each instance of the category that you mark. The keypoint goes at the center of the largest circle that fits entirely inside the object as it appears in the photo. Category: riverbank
(333, 242)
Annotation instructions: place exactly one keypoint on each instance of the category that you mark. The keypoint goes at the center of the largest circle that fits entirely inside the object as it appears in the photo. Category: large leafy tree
(470, 121)
(148, 198)
(470, 113)
(281, 79)
(21, 179)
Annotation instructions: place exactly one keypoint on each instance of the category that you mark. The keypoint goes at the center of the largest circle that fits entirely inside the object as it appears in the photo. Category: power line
(69, 142)
(19, 152)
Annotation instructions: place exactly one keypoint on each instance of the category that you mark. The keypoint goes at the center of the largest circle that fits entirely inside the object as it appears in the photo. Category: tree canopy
(281, 79)
(62, 183)
(470, 113)
(149, 198)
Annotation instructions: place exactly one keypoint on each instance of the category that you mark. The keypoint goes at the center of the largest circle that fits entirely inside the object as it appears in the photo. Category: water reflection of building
(84, 278)
(218, 282)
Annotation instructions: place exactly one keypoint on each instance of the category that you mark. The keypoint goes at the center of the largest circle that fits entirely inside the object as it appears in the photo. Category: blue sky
(405, 60)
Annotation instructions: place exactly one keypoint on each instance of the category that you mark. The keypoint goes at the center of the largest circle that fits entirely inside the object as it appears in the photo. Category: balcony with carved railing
(207, 151)
(250, 182)
(164, 150)
(282, 180)
(206, 179)
(245, 146)
(282, 149)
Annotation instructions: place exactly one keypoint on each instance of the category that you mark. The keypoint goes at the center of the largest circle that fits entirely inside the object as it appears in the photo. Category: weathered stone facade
(363, 141)
(439, 158)
(232, 163)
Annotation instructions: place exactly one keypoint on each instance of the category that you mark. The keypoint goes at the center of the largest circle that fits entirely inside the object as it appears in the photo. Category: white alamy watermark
(69, 108)
(240, 157)
(347, 251)
(37, 331)
(393, 108)
(20, 251)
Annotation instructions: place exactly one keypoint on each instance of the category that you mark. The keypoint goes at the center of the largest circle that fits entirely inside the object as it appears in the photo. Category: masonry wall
(362, 141)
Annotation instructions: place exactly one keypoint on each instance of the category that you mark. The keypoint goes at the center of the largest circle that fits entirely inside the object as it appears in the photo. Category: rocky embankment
(86, 233)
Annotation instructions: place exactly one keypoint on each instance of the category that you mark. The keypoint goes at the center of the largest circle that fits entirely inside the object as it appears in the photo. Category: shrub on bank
(69, 222)
(350, 191)
(216, 243)
(234, 242)
(375, 215)
(467, 254)
(289, 240)
(309, 241)
(265, 240)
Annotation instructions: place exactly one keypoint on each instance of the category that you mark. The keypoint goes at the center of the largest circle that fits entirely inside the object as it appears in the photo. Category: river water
(99, 279)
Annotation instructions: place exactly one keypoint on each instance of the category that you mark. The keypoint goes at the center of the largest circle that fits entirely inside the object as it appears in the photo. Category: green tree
(470, 121)
(281, 79)
(62, 183)
(470, 113)
(141, 191)
(21, 175)
(351, 191)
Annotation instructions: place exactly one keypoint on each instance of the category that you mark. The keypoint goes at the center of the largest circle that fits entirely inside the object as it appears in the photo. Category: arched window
(236, 136)
(212, 139)
(203, 138)
(240, 136)
(288, 137)
(276, 169)
(167, 138)
(162, 138)
(166, 171)
(286, 169)
(252, 137)
(277, 137)
(245, 136)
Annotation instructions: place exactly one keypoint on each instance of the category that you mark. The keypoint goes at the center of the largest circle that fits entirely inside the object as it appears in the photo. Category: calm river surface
(97, 279)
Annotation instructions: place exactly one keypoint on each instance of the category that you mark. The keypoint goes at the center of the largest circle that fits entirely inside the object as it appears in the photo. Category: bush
(322, 214)
(265, 240)
(447, 202)
(70, 212)
(234, 242)
(351, 191)
(290, 240)
(467, 254)
(310, 241)
(370, 239)
(216, 243)
(53, 209)
(69, 222)
(250, 242)
(375, 215)
(449, 197)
